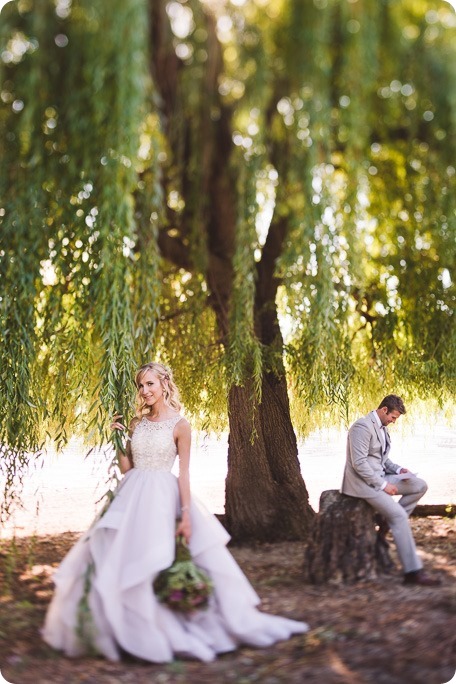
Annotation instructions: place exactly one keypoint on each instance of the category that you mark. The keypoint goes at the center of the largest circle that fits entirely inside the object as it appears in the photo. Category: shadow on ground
(377, 631)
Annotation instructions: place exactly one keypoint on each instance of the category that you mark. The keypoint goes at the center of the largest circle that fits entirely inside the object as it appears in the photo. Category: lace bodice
(152, 444)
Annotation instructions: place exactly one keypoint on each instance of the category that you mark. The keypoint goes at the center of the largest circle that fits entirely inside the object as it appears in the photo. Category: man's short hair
(393, 403)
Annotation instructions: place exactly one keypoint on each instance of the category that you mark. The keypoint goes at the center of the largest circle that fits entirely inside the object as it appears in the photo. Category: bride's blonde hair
(170, 391)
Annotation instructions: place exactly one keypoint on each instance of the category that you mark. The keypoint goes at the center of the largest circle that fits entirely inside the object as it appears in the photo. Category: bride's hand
(116, 424)
(184, 527)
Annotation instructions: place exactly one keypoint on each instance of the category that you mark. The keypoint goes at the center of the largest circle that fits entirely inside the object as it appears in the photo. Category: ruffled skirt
(105, 583)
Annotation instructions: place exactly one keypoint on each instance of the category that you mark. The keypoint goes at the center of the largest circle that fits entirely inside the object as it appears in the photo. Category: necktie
(385, 442)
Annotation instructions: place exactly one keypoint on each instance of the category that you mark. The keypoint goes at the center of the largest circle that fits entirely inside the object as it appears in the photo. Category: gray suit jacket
(366, 466)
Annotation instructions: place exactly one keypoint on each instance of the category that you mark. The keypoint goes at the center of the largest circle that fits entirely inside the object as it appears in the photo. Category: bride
(104, 600)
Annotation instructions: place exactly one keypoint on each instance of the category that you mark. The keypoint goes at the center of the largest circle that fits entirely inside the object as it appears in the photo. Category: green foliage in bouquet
(183, 586)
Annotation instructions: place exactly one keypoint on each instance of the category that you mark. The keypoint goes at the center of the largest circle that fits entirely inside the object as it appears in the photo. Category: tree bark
(343, 545)
(266, 497)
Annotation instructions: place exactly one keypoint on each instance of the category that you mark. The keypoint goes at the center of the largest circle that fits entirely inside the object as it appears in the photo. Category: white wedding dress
(110, 571)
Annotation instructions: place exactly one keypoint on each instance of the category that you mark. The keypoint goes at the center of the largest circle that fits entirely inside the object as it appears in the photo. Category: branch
(267, 284)
(209, 151)
(165, 65)
(174, 250)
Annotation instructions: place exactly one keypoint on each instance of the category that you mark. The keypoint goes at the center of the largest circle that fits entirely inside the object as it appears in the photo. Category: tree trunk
(266, 498)
(343, 545)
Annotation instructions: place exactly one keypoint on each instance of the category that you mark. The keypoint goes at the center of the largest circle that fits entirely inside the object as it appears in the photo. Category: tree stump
(343, 544)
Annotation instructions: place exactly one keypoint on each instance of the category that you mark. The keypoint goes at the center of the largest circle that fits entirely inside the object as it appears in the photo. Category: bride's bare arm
(183, 441)
(125, 460)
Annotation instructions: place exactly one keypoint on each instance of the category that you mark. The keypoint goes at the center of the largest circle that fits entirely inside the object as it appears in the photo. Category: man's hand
(390, 489)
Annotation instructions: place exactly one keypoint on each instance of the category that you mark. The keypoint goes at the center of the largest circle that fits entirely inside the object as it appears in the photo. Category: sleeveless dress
(107, 576)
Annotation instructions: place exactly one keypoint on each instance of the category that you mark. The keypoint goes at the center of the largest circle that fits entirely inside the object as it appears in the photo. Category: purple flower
(176, 595)
(183, 586)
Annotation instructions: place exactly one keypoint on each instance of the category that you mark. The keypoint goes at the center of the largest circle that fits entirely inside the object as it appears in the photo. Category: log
(343, 545)
(442, 510)
(421, 511)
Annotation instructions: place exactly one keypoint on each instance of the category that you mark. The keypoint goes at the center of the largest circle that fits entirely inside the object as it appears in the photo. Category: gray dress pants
(397, 515)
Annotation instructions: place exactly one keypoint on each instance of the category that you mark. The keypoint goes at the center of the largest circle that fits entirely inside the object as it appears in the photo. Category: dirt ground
(378, 631)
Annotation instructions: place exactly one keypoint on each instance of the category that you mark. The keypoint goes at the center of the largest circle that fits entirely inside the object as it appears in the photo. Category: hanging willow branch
(68, 218)
(284, 157)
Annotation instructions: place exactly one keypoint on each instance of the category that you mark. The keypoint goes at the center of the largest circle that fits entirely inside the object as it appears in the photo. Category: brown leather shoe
(419, 577)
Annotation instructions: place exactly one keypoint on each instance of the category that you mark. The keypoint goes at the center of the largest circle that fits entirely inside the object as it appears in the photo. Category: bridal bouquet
(183, 586)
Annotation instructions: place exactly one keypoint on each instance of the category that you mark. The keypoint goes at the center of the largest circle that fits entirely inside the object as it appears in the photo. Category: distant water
(61, 495)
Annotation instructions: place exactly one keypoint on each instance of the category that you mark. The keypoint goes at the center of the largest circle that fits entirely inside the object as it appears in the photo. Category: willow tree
(259, 192)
